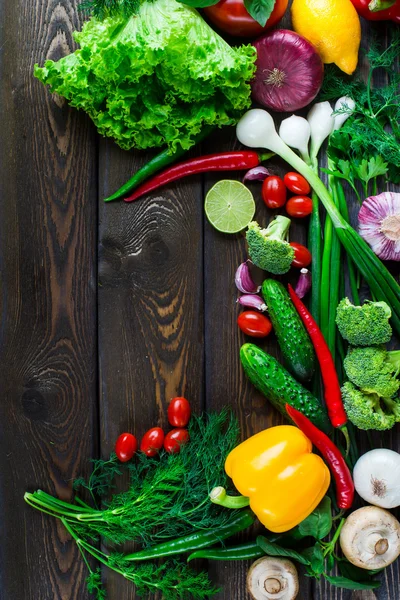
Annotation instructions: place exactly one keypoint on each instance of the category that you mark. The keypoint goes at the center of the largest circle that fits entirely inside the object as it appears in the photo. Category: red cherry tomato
(125, 446)
(179, 412)
(299, 206)
(232, 17)
(152, 441)
(296, 183)
(254, 324)
(175, 439)
(274, 192)
(302, 256)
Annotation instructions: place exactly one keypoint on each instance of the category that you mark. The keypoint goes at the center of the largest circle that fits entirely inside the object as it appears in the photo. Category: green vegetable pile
(167, 498)
(154, 77)
(370, 395)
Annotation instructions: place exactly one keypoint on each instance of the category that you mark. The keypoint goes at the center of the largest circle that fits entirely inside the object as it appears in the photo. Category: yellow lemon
(333, 27)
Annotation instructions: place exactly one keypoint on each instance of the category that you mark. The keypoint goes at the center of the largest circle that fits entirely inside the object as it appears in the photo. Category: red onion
(253, 301)
(289, 71)
(244, 281)
(379, 224)
(256, 174)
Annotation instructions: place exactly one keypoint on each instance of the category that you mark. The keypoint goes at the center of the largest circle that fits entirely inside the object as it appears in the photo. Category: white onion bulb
(377, 477)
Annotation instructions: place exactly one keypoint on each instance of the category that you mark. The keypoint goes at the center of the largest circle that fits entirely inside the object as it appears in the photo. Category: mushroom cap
(272, 578)
(370, 538)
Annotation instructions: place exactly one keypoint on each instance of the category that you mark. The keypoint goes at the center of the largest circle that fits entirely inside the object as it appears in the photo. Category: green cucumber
(277, 384)
(293, 339)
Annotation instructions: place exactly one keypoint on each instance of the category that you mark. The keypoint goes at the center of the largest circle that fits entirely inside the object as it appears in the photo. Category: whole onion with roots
(289, 71)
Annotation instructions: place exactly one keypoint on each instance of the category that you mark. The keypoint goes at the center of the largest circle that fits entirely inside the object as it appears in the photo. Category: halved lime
(229, 206)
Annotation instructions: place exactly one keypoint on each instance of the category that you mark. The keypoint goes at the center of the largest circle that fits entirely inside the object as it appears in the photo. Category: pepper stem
(345, 432)
(262, 157)
(219, 496)
(378, 5)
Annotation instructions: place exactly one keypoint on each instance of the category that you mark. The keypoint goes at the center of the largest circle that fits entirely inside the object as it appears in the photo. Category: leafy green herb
(316, 560)
(272, 549)
(260, 10)
(167, 496)
(369, 141)
(319, 523)
(348, 584)
(101, 480)
(355, 573)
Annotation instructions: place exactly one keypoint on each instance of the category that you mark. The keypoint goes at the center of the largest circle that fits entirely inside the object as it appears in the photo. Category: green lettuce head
(155, 78)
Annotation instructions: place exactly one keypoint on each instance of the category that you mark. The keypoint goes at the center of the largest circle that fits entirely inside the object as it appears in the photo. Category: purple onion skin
(244, 281)
(256, 174)
(253, 301)
(298, 61)
(303, 285)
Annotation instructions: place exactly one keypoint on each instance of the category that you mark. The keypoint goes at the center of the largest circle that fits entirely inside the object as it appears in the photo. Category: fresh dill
(167, 496)
(368, 144)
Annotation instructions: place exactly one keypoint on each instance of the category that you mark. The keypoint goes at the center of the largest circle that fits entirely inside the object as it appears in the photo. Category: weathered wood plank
(48, 302)
(150, 306)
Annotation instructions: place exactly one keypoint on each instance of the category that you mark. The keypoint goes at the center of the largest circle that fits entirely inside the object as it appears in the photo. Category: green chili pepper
(242, 552)
(155, 164)
(195, 541)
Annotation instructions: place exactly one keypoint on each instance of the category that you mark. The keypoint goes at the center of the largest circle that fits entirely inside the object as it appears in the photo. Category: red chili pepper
(332, 455)
(333, 396)
(227, 161)
(378, 10)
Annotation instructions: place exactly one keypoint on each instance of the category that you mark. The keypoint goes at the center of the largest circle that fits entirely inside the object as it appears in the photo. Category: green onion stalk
(256, 129)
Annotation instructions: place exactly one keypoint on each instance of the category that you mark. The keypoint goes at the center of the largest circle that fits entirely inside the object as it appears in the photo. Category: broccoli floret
(368, 411)
(364, 325)
(374, 370)
(268, 248)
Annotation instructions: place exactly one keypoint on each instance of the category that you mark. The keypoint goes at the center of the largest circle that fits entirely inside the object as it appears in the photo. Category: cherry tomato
(232, 17)
(179, 412)
(302, 256)
(152, 441)
(273, 192)
(175, 439)
(125, 446)
(254, 324)
(299, 206)
(296, 183)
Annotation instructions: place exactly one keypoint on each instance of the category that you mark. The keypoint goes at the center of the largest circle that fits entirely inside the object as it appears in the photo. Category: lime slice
(229, 206)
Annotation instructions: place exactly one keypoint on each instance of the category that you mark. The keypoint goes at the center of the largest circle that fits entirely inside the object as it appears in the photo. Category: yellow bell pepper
(278, 472)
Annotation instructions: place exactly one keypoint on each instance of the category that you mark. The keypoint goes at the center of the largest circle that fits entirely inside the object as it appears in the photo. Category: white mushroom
(370, 538)
(272, 578)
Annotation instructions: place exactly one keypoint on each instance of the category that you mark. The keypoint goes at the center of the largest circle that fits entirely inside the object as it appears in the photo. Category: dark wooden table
(108, 311)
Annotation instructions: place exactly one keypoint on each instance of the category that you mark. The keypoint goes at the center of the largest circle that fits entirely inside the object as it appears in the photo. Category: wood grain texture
(150, 306)
(48, 305)
(166, 312)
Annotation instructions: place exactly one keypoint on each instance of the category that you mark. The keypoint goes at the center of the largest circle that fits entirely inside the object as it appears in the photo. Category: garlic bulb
(379, 224)
(377, 477)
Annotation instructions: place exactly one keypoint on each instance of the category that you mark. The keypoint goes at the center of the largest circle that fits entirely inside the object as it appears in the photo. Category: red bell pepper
(378, 10)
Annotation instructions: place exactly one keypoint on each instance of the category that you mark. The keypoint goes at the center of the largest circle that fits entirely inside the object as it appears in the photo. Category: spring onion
(256, 129)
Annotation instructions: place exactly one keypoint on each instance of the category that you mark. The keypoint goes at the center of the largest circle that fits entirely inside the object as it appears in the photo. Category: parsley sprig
(368, 144)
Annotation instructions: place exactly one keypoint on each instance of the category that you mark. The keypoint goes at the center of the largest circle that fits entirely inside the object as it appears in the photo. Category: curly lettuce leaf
(155, 78)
